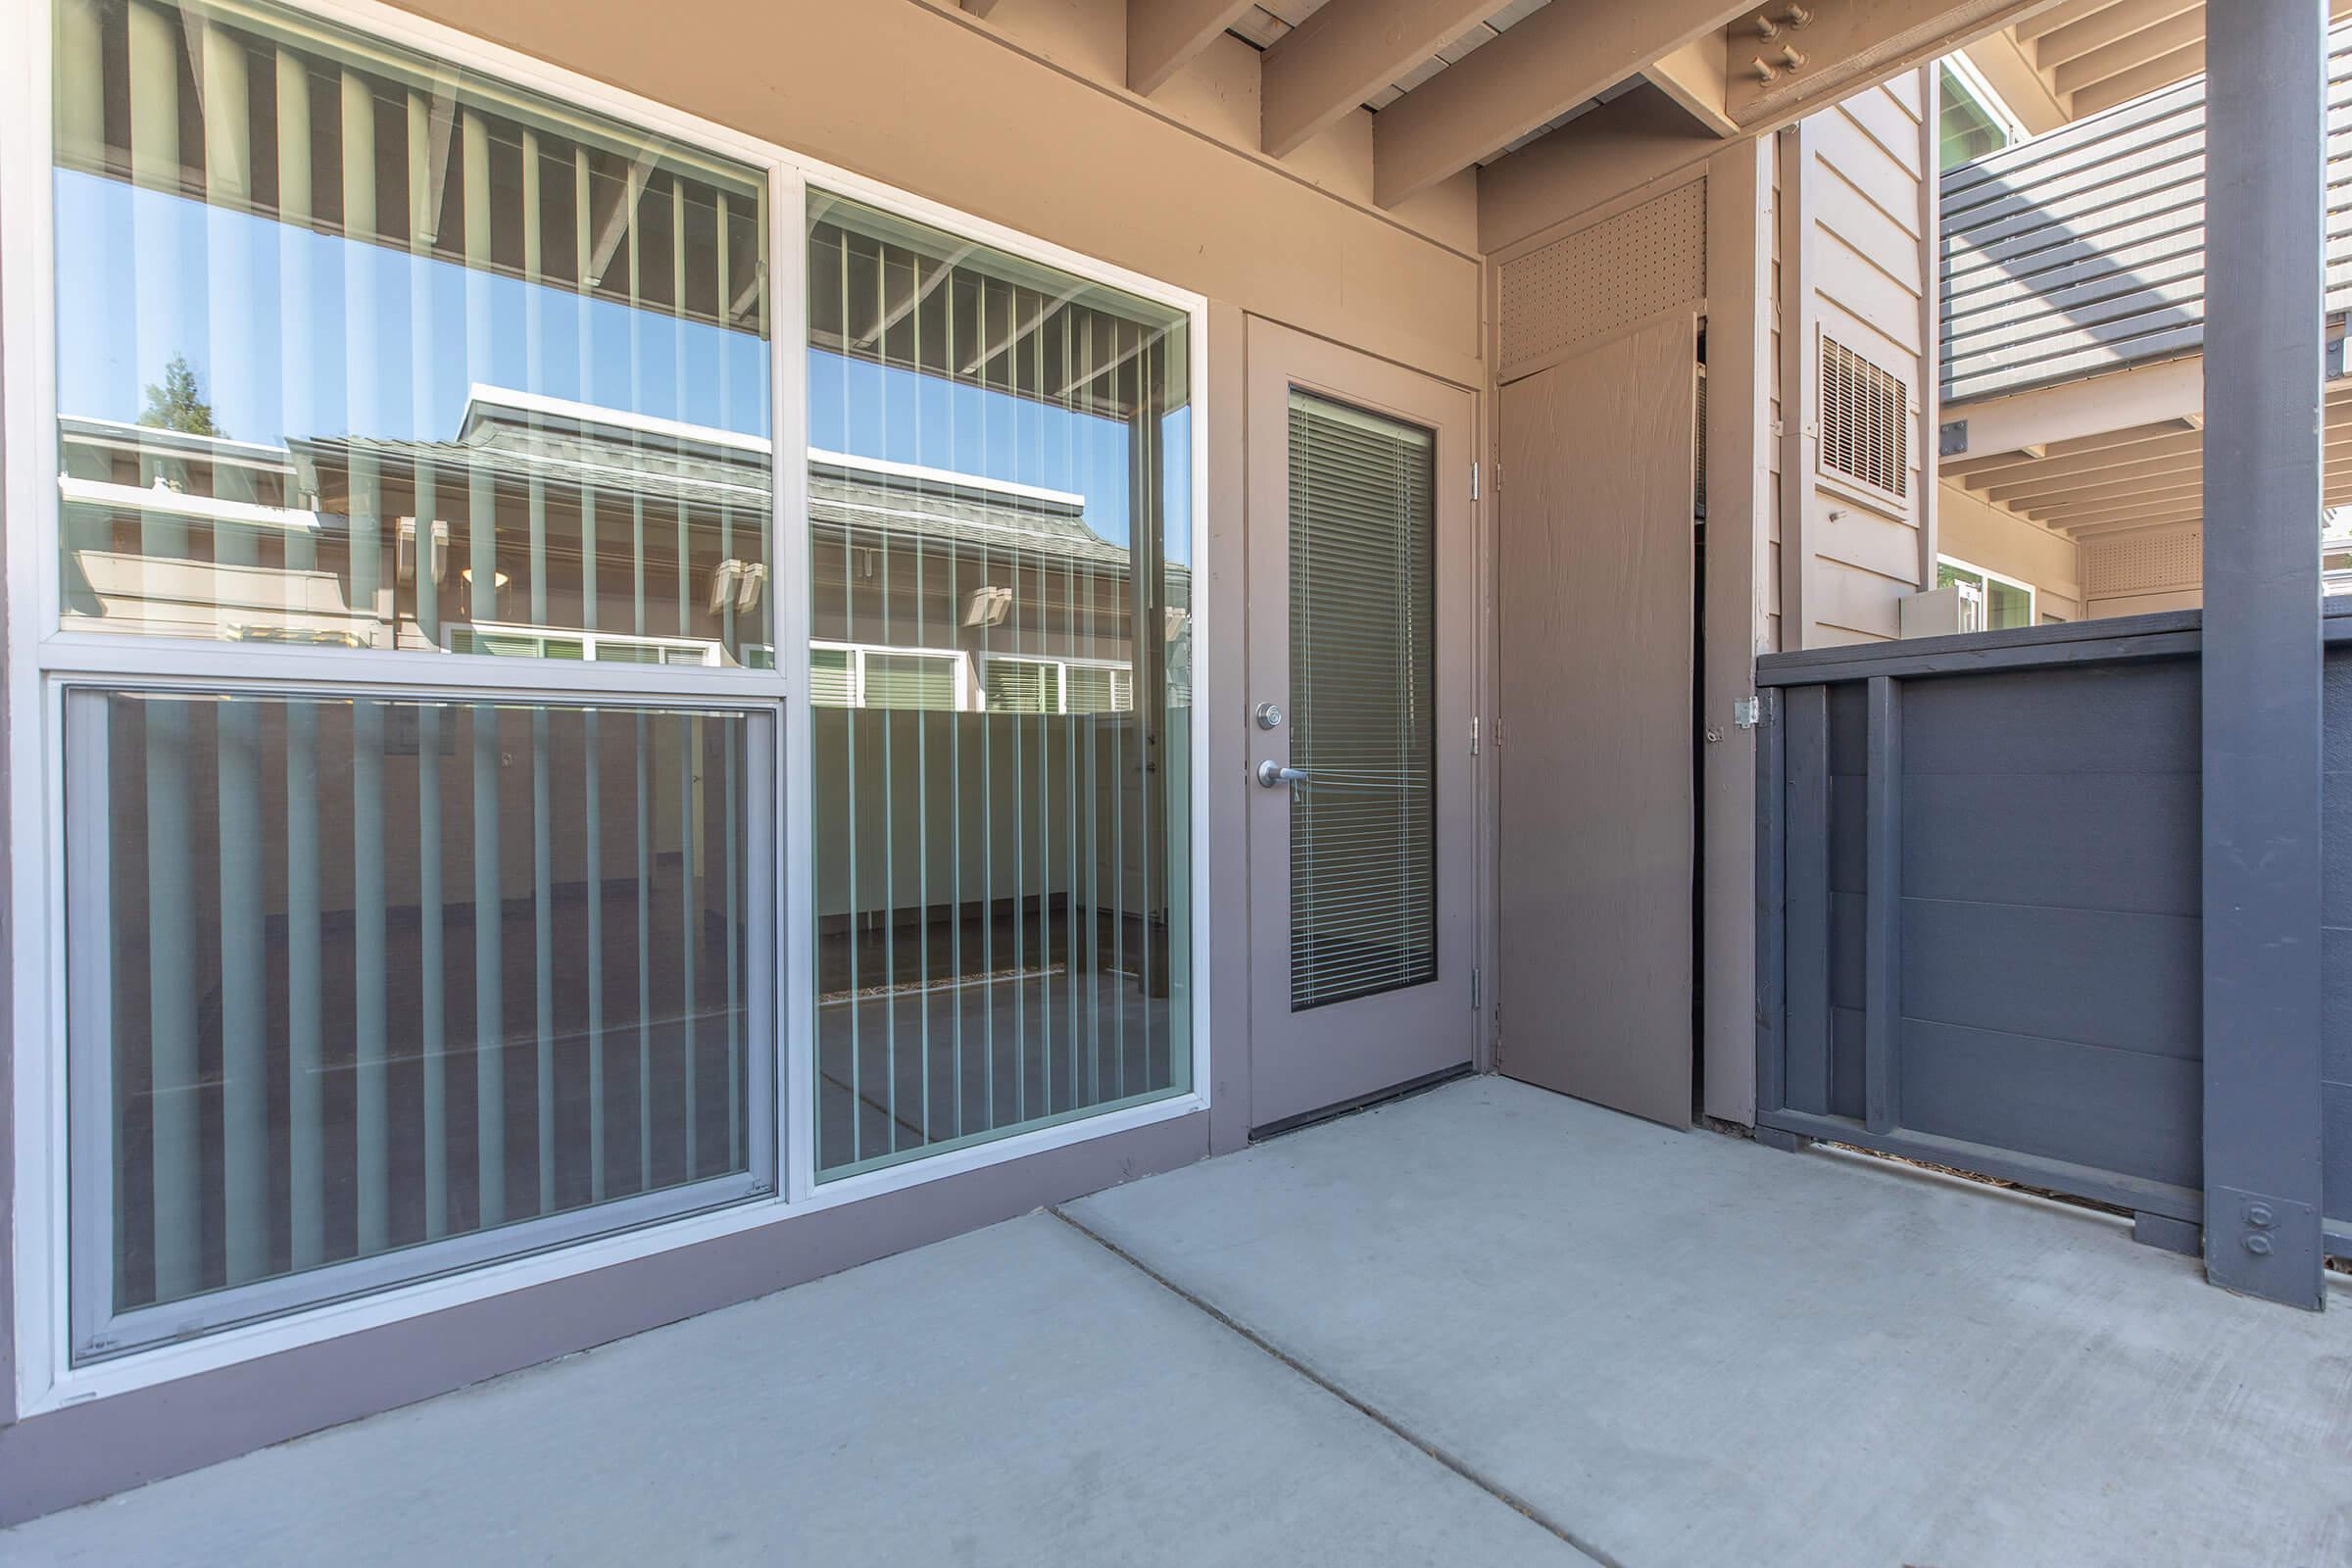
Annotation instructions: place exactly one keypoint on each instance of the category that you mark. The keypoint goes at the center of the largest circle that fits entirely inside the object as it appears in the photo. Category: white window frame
(2013, 130)
(42, 661)
(2032, 597)
(966, 689)
(1062, 669)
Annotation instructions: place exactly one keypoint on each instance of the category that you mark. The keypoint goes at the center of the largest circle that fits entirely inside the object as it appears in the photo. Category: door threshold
(1349, 1108)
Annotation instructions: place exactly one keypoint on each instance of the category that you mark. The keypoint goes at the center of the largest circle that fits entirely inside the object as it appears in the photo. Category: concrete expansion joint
(1371, 1412)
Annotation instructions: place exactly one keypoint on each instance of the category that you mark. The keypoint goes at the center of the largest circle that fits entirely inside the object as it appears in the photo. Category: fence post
(1883, 902)
(2264, 179)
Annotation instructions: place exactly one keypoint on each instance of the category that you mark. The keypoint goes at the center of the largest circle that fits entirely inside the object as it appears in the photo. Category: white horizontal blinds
(274, 433)
(1363, 867)
(993, 886)
(363, 1147)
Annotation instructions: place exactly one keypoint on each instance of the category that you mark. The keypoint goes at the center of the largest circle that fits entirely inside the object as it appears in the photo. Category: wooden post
(2265, 181)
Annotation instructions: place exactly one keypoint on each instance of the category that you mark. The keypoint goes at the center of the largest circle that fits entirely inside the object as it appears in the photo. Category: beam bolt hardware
(1761, 69)
(1766, 29)
(1792, 57)
(1796, 17)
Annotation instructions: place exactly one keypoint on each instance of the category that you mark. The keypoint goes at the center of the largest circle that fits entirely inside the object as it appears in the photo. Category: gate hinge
(1474, 478)
(1473, 734)
(1474, 988)
(1747, 712)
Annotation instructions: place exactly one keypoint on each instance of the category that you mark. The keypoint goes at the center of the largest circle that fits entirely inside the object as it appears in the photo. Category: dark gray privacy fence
(1980, 889)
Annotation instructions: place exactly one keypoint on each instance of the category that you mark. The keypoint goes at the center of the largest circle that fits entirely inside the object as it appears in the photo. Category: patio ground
(1487, 1325)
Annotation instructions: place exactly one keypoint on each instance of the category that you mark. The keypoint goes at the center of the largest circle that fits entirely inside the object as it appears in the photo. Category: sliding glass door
(999, 590)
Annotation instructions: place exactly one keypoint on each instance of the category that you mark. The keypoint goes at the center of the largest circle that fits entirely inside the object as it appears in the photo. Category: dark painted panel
(1850, 731)
(1849, 811)
(1845, 1062)
(1847, 915)
(2335, 848)
(2120, 1111)
(2335, 1004)
(2129, 981)
(2118, 841)
(2336, 1153)
(2102, 718)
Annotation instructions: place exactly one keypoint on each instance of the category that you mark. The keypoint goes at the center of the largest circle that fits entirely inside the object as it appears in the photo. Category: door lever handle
(1273, 775)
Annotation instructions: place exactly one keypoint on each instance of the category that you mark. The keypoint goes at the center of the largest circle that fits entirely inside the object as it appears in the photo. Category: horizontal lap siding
(2083, 250)
(1865, 280)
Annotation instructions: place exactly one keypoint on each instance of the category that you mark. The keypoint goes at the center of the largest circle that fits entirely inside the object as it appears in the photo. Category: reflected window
(356, 349)
(1998, 601)
(1000, 596)
(1972, 120)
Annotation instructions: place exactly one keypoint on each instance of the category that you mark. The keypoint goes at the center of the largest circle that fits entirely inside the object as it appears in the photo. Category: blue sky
(386, 344)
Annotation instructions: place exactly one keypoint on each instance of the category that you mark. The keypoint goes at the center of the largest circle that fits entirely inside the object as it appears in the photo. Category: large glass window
(358, 351)
(1000, 486)
(352, 977)
(448, 931)
(356, 348)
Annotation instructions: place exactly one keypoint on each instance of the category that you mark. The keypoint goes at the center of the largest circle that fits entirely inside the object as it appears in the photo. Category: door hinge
(1473, 734)
(1474, 990)
(1474, 478)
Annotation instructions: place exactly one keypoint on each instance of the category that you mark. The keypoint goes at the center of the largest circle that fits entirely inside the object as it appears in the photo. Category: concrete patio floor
(1487, 1325)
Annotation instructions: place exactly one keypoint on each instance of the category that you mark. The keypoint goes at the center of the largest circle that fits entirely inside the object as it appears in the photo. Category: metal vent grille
(1865, 421)
(1599, 280)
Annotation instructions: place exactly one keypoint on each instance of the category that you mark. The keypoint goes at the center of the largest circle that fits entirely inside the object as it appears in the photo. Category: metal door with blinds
(1362, 818)
(1364, 671)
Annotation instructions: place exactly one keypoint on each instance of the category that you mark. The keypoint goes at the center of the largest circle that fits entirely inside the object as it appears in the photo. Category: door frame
(1275, 359)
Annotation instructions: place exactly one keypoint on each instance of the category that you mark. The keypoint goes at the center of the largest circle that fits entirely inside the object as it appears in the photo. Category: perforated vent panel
(2146, 564)
(1589, 283)
(1865, 421)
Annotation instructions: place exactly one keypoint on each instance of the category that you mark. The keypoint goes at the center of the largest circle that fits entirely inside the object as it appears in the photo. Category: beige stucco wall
(1977, 531)
(1017, 120)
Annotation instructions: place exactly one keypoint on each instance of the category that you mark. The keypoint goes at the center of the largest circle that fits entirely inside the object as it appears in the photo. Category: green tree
(176, 403)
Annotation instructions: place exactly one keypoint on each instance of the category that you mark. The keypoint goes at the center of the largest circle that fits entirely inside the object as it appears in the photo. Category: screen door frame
(1334, 1055)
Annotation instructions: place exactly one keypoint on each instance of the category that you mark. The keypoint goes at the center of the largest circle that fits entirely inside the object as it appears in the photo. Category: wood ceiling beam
(2116, 400)
(1563, 55)
(1977, 472)
(2064, 14)
(2096, 530)
(2033, 492)
(1344, 53)
(2123, 455)
(1844, 46)
(2016, 76)
(2130, 52)
(2102, 27)
(2162, 72)
(1694, 77)
(1163, 34)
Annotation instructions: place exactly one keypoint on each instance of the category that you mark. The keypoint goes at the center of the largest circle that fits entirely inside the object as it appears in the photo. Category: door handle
(1273, 775)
